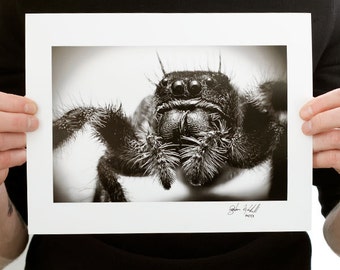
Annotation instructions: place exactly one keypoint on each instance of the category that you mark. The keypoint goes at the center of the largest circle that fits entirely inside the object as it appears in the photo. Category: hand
(322, 121)
(16, 118)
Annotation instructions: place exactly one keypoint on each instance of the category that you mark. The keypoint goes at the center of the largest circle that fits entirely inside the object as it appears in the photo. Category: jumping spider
(196, 123)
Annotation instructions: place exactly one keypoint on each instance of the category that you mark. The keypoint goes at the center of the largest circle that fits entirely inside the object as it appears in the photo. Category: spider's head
(187, 85)
(191, 102)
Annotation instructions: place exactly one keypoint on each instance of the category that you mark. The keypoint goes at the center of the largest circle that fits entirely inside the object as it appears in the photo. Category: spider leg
(156, 158)
(112, 128)
(65, 127)
(262, 128)
(204, 157)
(263, 134)
(108, 188)
(132, 150)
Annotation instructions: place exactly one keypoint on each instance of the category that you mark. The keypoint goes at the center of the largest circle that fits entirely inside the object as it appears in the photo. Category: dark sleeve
(12, 80)
(326, 78)
(12, 48)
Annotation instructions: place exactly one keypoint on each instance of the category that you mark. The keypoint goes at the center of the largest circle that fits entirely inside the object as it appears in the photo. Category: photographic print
(200, 134)
(171, 126)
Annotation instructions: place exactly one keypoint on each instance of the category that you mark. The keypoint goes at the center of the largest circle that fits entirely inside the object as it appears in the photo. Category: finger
(17, 104)
(327, 141)
(327, 159)
(12, 158)
(328, 101)
(322, 122)
(3, 175)
(17, 122)
(12, 141)
(322, 103)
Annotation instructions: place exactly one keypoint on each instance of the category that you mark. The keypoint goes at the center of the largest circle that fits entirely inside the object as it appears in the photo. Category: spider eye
(178, 88)
(209, 81)
(164, 82)
(195, 87)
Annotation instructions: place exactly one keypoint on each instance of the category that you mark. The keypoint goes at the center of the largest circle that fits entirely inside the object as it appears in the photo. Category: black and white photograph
(170, 125)
(156, 123)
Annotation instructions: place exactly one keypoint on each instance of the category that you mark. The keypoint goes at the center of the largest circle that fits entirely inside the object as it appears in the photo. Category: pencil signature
(246, 209)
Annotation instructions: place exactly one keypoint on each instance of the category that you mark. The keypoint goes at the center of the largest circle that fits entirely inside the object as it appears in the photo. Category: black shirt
(285, 250)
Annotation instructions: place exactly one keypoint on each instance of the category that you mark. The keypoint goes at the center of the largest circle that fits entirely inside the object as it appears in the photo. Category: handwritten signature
(248, 210)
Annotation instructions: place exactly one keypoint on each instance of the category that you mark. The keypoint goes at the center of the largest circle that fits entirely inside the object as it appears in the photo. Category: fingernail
(20, 156)
(307, 112)
(30, 108)
(32, 123)
(307, 128)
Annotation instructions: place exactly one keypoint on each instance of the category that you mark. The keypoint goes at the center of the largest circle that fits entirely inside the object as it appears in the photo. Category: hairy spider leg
(114, 130)
(157, 157)
(204, 157)
(261, 130)
(263, 134)
(108, 188)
